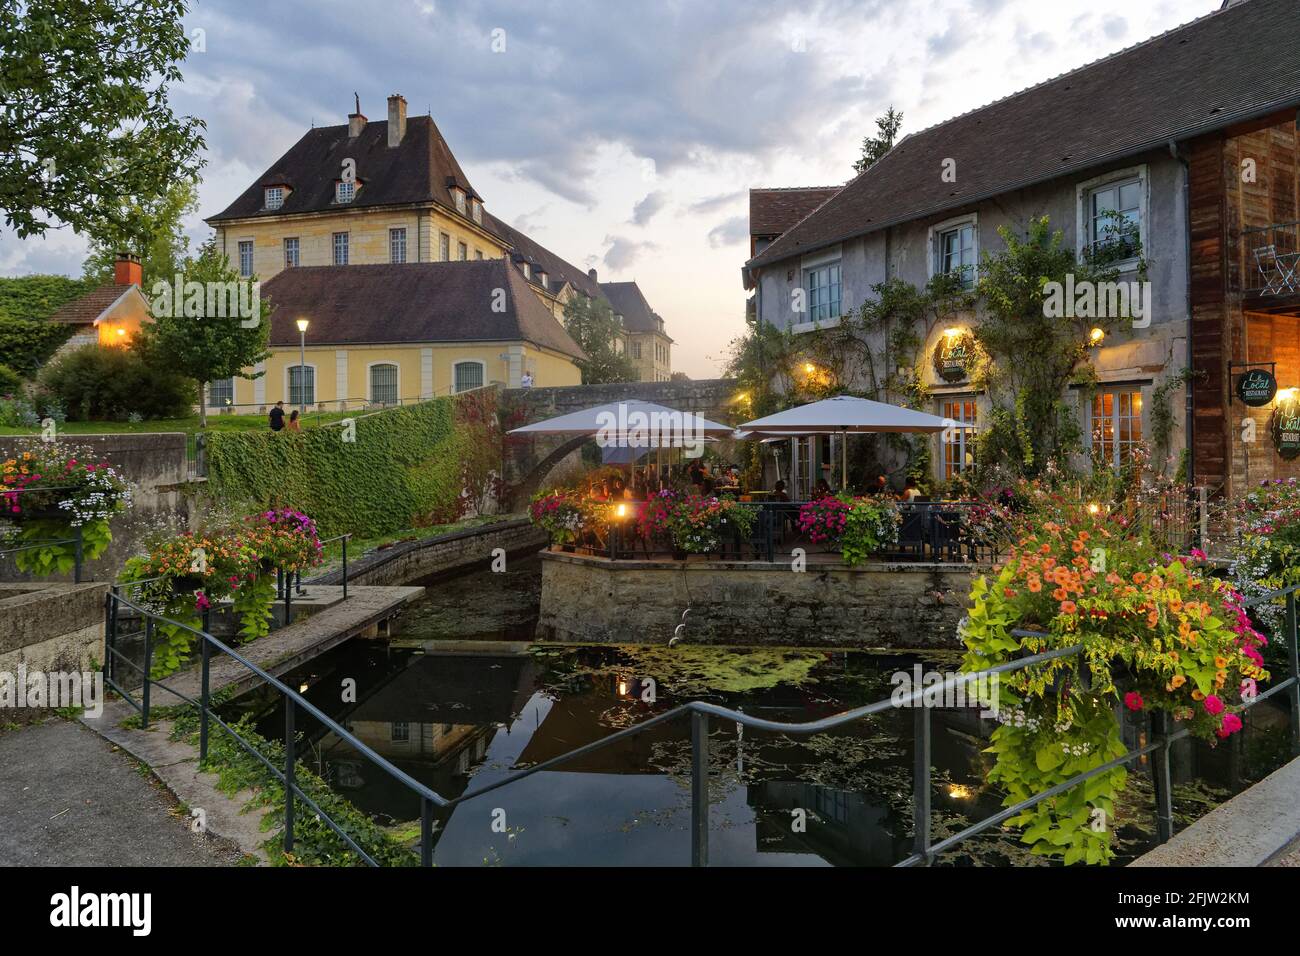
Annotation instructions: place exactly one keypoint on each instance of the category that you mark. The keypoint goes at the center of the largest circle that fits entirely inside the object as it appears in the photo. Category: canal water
(459, 696)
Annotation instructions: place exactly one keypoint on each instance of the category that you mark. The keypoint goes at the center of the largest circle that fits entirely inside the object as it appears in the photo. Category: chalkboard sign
(953, 356)
(1257, 387)
(1286, 428)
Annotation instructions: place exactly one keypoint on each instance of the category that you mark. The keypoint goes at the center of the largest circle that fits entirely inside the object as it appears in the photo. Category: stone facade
(895, 606)
(51, 627)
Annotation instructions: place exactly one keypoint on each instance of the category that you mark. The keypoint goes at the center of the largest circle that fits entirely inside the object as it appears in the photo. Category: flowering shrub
(654, 519)
(50, 491)
(871, 526)
(824, 520)
(697, 525)
(187, 574)
(1267, 557)
(559, 513)
(1176, 639)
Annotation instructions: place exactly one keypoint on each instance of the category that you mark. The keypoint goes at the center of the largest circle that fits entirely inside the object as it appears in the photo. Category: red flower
(1133, 700)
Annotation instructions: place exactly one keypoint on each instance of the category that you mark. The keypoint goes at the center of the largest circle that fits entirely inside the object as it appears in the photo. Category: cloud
(711, 204)
(1114, 27)
(645, 210)
(623, 252)
(729, 233)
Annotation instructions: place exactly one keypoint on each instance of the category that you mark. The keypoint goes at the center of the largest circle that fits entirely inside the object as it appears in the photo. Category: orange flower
(1153, 618)
(1197, 695)
(1175, 604)
(1035, 585)
(1177, 681)
(1060, 594)
(1220, 662)
(1084, 536)
(1068, 607)
(1139, 578)
(1076, 547)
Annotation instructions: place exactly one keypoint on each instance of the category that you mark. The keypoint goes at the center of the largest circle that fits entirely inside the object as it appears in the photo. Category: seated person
(911, 491)
(779, 493)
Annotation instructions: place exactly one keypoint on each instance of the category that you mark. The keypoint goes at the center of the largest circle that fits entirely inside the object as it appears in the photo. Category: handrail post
(205, 695)
(289, 748)
(699, 789)
(1161, 778)
(110, 630)
(148, 670)
(345, 566)
(426, 831)
(1293, 641)
(288, 596)
(78, 556)
(921, 760)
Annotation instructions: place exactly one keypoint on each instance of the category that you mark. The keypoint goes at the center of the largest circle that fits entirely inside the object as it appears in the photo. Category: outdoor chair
(945, 535)
(912, 532)
(1280, 272)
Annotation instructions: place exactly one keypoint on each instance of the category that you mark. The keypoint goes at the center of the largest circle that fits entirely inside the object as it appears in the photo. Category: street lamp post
(302, 368)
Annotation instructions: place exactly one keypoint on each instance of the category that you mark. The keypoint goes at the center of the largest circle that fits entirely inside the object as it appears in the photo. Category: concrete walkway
(70, 798)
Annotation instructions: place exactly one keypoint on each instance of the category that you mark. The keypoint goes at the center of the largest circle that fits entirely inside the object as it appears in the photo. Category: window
(1114, 214)
(400, 731)
(528, 270)
(1116, 425)
(957, 253)
(221, 393)
(476, 210)
(541, 279)
(478, 253)
(302, 385)
(636, 350)
(273, 197)
(468, 375)
(823, 285)
(396, 245)
(290, 253)
(383, 384)
(246, 258)
(344, 191)
(959, 443)
(462, 253)
(444, 247)
(340, 248)
(460, 200)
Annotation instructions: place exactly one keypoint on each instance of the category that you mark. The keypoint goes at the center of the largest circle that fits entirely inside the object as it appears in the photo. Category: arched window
(302, 385)
(468, 375)
(383, 384)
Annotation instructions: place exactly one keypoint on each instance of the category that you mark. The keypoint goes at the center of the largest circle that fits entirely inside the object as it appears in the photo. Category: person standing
(294, 425)
(527, 380)
(276, 417)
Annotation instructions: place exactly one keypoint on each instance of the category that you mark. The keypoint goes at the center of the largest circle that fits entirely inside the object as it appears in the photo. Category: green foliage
(10, 381)
(26, 340)
(406, 467)
(96, 384)
(874, 147)
(870, 526)
(156, 234)
(38, 297)
(211, 346)
(592, 325)
(86, 118)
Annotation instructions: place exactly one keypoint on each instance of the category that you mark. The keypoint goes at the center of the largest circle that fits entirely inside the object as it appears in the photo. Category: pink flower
(1213, 705)
(1231, 724)
(1133, 700)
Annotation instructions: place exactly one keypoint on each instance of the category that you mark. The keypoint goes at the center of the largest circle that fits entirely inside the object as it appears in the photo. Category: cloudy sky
(623, 135)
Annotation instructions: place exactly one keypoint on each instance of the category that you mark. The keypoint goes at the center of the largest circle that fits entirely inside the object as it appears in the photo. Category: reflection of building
(844, 829)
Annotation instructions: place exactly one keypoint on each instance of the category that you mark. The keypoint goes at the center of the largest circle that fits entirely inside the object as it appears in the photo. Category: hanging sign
(953, 355)
(1256, 387)
(1286, 428)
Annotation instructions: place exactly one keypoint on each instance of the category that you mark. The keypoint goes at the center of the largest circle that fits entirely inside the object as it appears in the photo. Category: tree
(205, 340)
(592, 325)
(874, 147)
(157, 235)
(84, 118)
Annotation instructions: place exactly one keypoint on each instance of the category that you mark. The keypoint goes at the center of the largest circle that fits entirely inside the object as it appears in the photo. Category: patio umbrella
(631, 423)
(841, 415)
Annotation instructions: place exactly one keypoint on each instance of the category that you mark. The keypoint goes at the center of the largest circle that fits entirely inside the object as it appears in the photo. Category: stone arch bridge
(529, 459)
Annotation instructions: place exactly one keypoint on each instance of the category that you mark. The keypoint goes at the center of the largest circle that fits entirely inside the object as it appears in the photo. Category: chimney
(126, 270)
(591, 274)
(356, 122)
(396, 119)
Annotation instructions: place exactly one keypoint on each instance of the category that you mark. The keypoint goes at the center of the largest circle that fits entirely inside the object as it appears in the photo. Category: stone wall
(51, 626)
(876, 605)
(157, 466)
(417, 560)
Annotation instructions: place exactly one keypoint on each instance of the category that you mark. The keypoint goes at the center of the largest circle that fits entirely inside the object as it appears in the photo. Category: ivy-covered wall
(422, 464)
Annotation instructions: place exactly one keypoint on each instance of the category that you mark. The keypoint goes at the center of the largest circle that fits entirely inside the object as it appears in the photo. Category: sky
(623, 136)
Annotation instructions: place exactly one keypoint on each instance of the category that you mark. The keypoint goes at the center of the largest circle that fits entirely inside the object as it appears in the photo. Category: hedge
(407, 467)
(26, 339)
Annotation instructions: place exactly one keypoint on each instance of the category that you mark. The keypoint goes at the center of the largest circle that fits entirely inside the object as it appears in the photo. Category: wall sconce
(1096, 336)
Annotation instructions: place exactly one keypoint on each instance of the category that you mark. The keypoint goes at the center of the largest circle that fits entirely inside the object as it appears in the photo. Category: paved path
(70, 798)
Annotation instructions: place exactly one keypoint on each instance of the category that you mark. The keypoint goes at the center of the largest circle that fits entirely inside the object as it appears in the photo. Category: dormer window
(528, 271)
(273, 197)
(541, 278)
(344, 192)
(458, 195)
(476, 210)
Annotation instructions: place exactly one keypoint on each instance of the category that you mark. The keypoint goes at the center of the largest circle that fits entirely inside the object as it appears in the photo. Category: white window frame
(297, 252)
(965, 434)
(397, 237)
(1117, 389)
(444, 247)
(245, 273)
(476, 210)
(459, 362)
(459, 195)
(399, 732)
(811, 264)
(273, 197)
(370, 383)
(935, 244)
(462, 252)
(347, 248)
(215, 404)
(528, 271)
(1083, 208)
(344, 192)
(288, 392)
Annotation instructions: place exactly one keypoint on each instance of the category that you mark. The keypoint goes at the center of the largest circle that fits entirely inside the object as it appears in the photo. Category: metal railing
(1271, 259)
(924, 849)
(77, 540)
